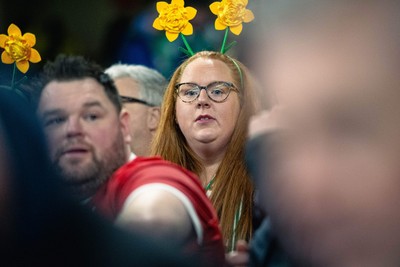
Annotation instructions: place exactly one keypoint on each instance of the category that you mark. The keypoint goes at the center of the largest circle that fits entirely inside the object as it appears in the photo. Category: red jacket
(110, 199)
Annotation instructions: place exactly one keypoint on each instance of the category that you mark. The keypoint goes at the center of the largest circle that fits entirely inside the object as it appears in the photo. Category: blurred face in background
(334, 192)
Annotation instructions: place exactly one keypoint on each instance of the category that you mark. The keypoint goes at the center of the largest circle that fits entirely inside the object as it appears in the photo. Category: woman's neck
(210, 161)
(209, 172)
(210, 167)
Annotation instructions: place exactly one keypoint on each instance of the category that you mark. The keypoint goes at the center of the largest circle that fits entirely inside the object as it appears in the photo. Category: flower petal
(219, 25)
(236, 29)
(188, 29)
(23, 66)
(157, 25)
(161, 6)
(6, 59)
(191, 12)
(35, 56)
(245, 2)
(3, 40)
(14, 30)
(171, 36)
(178, 2)
(248, 16)
(214, 7)
(30, 38)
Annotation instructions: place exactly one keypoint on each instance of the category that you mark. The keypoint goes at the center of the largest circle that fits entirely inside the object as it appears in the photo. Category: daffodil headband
(239, 70)
(174, 19)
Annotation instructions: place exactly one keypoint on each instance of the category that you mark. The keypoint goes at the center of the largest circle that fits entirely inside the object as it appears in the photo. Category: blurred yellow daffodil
(18, 48)
(231, 13)
(174, 19)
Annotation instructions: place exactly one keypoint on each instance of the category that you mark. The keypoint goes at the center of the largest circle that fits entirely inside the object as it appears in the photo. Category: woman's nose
(203, 98)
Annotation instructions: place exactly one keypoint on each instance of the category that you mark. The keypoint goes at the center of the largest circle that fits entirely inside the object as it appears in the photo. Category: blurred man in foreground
(333, 186)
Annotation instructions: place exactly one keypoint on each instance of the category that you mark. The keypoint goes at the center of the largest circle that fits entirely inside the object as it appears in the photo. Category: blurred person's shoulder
(147, 169)
(139, 172)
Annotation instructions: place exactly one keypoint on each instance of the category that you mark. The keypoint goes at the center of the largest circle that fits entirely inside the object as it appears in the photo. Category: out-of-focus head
(26, 181)
(335, 186)
(87, 131)
(141, 90)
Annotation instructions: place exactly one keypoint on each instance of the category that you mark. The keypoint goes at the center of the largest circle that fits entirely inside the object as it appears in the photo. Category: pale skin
(143, 119)
(208, 139)
(333, 195)
(335, 192)
(239, 257)
(161, 215)
(82, 125)
(71, 102)
(80, 109)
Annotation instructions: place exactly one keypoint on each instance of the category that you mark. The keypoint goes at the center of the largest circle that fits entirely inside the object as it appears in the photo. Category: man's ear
(124, 120)
(153, 118)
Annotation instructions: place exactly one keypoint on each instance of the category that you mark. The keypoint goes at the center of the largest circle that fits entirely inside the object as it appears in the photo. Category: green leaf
(229, 46)
(183, 50)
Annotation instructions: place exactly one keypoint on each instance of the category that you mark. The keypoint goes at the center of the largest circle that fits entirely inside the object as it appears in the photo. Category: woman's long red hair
(232, 185)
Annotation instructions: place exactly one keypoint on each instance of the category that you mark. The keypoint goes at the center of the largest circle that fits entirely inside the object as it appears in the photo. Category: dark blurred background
(110, 31)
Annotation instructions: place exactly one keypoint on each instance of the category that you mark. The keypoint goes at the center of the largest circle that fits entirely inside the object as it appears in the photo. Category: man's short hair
(151, 83)
(70, 68)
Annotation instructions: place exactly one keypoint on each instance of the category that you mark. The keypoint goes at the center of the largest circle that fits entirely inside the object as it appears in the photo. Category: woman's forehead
(205, 70)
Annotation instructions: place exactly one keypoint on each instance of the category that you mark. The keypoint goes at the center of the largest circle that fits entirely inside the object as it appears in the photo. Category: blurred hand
(239, 257)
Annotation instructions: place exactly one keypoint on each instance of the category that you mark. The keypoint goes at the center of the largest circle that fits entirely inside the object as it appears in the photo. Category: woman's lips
(204, 118)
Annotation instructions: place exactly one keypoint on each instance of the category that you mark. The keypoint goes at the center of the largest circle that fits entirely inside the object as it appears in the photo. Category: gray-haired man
(141, 90)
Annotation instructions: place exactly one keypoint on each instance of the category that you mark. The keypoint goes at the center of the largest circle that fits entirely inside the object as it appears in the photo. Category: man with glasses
(141, 90)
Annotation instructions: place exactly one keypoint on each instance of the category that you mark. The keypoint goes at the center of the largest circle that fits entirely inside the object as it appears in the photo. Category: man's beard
(84, 181)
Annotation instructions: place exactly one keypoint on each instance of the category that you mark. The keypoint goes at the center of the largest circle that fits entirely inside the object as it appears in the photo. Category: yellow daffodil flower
(18, 48)
(231, 13)
(174, 19)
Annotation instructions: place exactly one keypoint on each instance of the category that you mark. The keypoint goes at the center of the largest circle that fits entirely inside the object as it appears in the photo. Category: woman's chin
(206, 137)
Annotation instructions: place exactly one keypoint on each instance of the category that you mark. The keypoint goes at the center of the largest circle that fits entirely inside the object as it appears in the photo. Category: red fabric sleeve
(142, 171)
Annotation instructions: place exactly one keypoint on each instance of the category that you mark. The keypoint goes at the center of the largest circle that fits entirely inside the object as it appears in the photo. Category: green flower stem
(13, 76)
(21, 80)
(186, 44)
(224, 41)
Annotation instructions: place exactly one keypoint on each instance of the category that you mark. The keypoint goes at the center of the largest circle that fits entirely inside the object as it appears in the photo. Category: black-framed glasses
(128, 99)
(216, 91)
